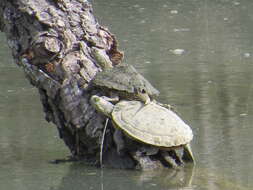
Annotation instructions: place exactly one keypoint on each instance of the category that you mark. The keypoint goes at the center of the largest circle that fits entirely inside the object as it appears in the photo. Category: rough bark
(61, 47)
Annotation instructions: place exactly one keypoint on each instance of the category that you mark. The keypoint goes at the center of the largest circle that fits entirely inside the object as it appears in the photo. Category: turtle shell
(151, 124)
(124, 78)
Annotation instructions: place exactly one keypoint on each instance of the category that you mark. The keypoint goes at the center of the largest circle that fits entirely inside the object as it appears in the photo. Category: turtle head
(101, 105)
(143, 96)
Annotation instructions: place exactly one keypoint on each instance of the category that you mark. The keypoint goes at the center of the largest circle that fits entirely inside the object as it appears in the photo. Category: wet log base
(61, 47)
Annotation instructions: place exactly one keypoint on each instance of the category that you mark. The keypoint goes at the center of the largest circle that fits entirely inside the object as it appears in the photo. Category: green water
(210, 84)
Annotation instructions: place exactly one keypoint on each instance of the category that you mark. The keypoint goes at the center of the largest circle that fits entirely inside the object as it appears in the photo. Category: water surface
(210, 84)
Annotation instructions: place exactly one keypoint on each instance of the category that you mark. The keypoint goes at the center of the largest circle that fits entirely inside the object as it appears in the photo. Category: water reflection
(189, 178)
(122, 179)
(210, 83)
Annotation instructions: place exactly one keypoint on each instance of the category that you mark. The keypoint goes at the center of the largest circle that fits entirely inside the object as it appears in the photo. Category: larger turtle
(126, 82)
(150, 124)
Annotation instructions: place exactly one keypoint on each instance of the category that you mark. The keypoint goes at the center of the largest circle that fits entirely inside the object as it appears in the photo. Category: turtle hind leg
(169, 159)
(187, 154)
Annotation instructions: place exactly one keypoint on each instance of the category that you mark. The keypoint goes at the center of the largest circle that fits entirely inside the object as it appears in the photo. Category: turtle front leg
(119, 141)
(113, 97)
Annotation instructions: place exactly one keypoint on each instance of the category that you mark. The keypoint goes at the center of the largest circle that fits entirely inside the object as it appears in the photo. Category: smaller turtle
(126, 82)
(150, 124)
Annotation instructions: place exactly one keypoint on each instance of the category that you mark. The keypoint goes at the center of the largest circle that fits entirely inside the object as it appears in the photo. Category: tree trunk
(61, 47)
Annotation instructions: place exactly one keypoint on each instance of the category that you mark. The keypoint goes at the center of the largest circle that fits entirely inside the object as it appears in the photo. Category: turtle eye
(143, 91)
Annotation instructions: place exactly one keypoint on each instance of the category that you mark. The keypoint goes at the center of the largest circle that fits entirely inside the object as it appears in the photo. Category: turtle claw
(147, 101)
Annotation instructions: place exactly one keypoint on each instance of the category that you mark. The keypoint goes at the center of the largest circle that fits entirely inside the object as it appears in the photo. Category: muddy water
(198, 53)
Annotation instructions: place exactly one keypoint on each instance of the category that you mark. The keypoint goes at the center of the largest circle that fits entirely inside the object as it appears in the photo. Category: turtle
(150, 124)
(126, 82)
